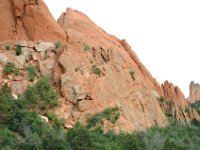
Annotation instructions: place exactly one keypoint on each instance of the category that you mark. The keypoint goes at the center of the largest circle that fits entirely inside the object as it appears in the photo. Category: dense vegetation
(21, 128)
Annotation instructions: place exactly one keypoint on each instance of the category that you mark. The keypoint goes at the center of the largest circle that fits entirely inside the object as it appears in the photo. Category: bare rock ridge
(136, 97)
(194, 92)
(175, 105)
(92, 71)
(28, 20)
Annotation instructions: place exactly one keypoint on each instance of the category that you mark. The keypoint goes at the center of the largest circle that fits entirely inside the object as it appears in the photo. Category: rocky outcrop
(28, 20)
(175, 105)
(194, 92)
(101, 71)
(92, 71)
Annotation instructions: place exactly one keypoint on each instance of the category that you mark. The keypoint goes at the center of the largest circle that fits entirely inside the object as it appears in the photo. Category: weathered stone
(3, 59)
(26, 20)
(194, 92)
(44, 46)
(46, 67)
(19, 87)
(174, 104)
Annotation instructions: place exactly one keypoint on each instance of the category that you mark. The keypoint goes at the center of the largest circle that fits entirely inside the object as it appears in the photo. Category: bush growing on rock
(9, 68)
(57, 44)
(96, 70)
(31, 70)
(18, 50)
(42, 94)
(132, 73)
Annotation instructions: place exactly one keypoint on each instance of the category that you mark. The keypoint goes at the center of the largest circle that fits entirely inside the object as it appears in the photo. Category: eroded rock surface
(28, 20)
(175, 105)
(92, 70)
(194, 92)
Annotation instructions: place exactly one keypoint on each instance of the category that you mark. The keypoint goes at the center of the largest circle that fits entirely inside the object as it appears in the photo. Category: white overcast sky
(165, 34)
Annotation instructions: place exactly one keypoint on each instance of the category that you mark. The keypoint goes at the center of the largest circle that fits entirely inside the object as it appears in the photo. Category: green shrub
(31, 70)
(9, 68)
(132, 73)
(7, 139)
(79, 138)
(55, 121)
(18, 50)
(161, 98)
(96, 70)
(57, 44)
(110, 114)
(42, 94)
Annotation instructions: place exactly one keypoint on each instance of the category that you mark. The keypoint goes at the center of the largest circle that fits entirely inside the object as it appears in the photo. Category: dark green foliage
(31, 70)
(9, 68)
(22, 129)
(196, 106)
(96, 70)
(55, 121)
(161, 98)
(18, 50)
(57, 44)
(7, 139)
(132, 73)
(110, 114)
(42, 94)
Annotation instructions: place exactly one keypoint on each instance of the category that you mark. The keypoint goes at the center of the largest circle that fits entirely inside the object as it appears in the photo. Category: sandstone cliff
(175, 105)
(92, 70)
(28, 20)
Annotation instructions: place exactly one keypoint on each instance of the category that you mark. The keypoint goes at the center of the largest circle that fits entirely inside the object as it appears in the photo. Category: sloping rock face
(194, 92)
(100, 72)
(175, 105)
(28, 20)
(93, 71)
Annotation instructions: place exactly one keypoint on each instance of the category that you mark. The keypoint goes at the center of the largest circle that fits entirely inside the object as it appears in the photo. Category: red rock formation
(135, 98)
(92, 71)
(175, 104)
(194, 92)
(28, 20)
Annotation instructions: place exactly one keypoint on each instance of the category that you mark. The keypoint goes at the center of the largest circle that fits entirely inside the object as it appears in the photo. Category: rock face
(28, 20)
(194, 92)
(93, 71)
(99, 66)
(175, 105)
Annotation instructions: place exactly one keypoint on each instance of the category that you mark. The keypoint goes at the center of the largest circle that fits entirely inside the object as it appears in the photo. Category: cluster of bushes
(22, 128)
(11, 68)
(110, 114)
(41, 94)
